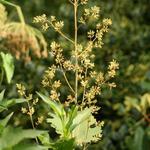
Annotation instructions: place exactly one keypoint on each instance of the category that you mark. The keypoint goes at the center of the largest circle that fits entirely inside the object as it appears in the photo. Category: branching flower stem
(31, 117)
(67, 81)
(62, 34)
(87, 47)
(71, 2)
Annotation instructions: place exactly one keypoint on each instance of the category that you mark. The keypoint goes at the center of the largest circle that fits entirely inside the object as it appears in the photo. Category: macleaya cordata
(73, 117)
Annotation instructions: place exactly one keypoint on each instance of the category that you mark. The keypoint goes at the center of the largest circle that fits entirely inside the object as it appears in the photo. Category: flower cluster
(113, 66)
(46, 23)
(90, 13)
(48, 76)
(42, 20)
(96, 35)
(54, 85)
(31, 102)
(57, 25)
(21, 89)
(83, 2)
(57, 52)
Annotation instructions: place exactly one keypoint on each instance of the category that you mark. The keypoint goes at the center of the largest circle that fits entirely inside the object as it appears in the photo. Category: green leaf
(5, 121)
(87, 129)
(148, 132)
(2, 108)
(80, 117)
(8, 65)
(132, 102)
(8, 103)
(71, 115)
(12, 136)
(64, 145)
(57, 108)
(138, 139)
(2, 95)
(25, 146)
(56, 123)
(146, 141)
(145, 102)
(44, 139)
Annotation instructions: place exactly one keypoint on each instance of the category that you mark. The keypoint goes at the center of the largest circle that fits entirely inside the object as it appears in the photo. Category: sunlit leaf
(56, 123)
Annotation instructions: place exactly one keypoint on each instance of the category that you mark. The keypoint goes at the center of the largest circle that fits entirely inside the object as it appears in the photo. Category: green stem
(75, 46)
(84, 88)
(18, 8)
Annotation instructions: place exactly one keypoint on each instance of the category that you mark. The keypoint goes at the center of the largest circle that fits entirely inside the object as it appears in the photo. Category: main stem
(75, 46)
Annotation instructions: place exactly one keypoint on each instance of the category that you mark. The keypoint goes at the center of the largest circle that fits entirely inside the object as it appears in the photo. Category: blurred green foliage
(126, 127)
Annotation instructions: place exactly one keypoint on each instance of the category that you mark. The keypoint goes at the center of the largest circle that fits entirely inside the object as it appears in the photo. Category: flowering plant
(72, 115)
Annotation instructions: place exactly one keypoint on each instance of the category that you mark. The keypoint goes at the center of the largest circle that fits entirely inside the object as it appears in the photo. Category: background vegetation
(125, 109)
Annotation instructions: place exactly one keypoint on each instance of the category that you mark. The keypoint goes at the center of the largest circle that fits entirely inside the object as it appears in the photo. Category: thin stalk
(18, 8)
(146, 117)
(71, 2)
(75, 46)
(84, 88)
(62, 34)
(87, 47)
(67, 81)
(31, 119)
